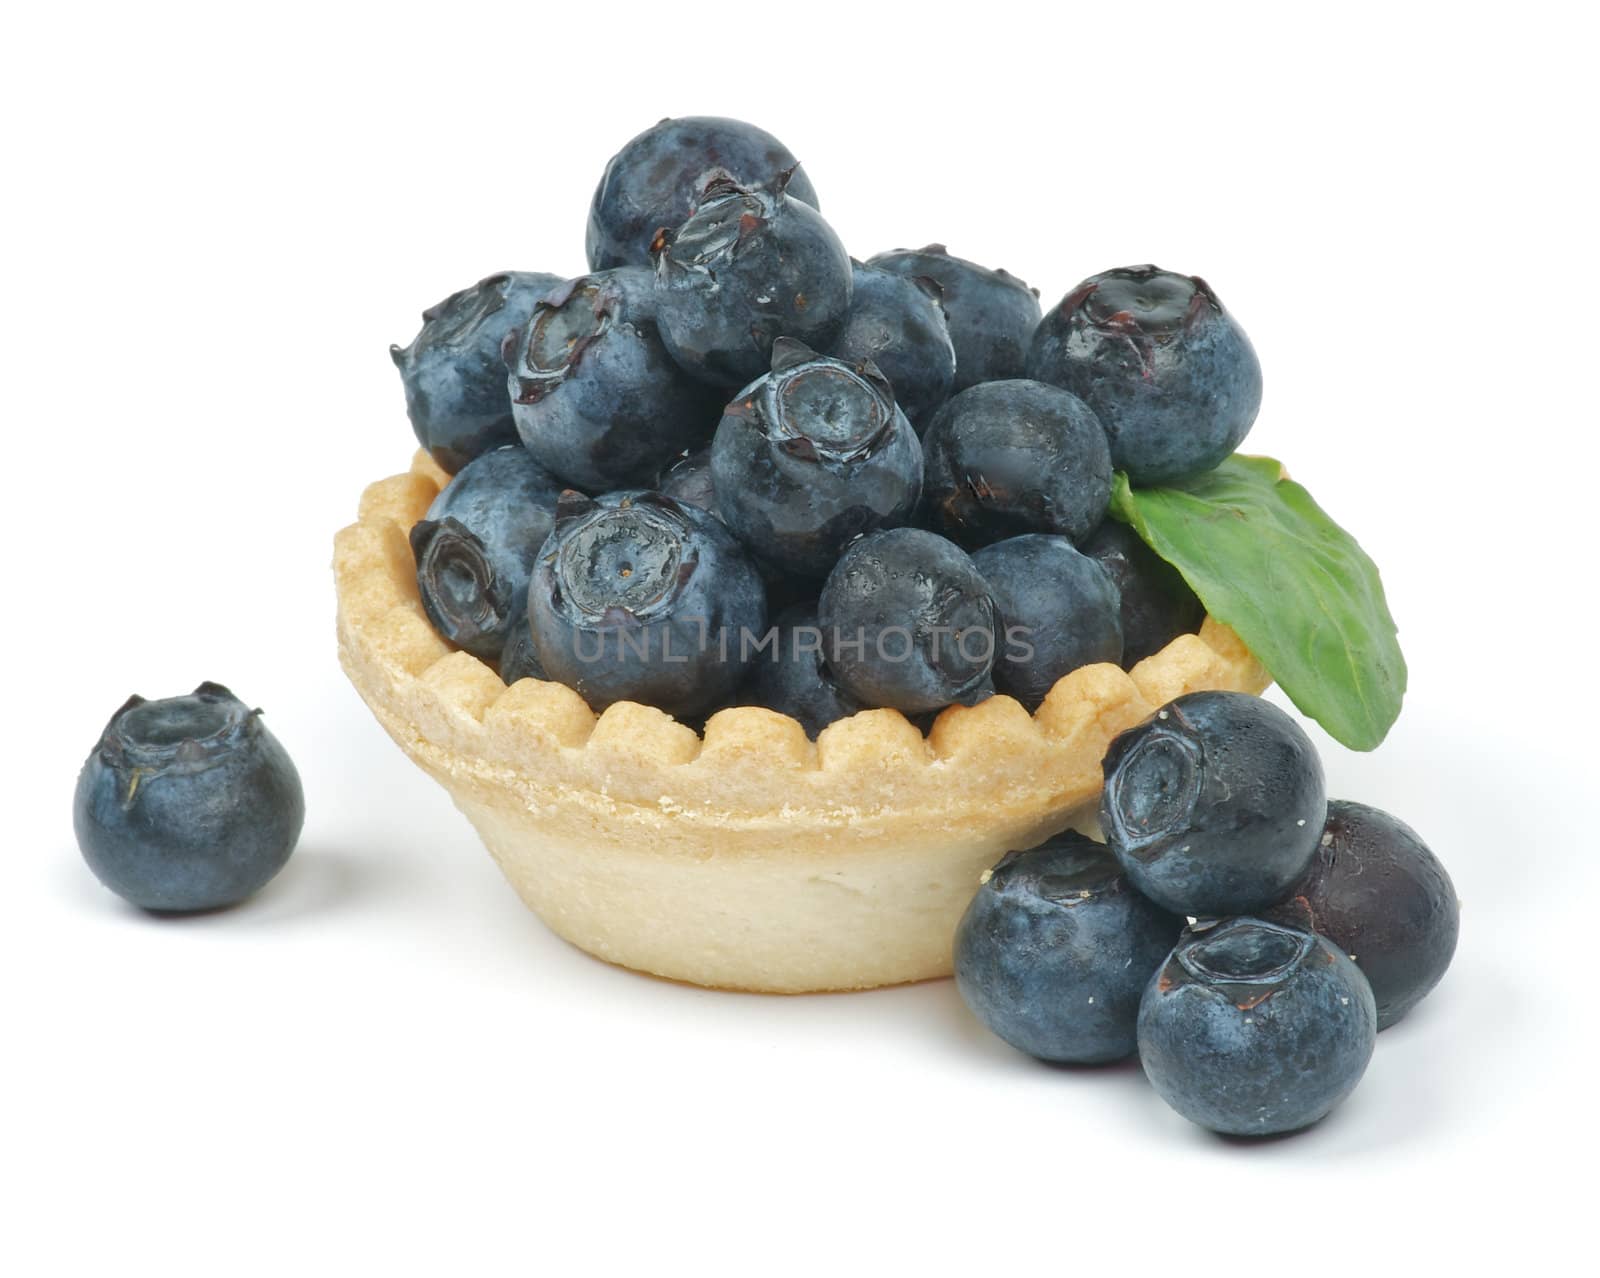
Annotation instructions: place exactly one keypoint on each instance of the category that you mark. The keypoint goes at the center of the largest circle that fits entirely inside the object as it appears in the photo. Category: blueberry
(1251, 1028)
(637, 597)
(1056, 949)
(476, 546)
(751, 265)
(454, 378)
(813, 454)
(518, 658)
(1157, 604)
(898, 323)
(653, 181)
(908, 622)
(1377, 892)
(792, 677)
(1169, 372)
(1015, 457)
(1215, 805)
(187, 803)
(688, 479)
(1058, 610)
(597, 399)
(991, 314)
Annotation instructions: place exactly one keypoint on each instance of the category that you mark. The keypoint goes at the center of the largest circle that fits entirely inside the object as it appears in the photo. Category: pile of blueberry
(732, 465)
(1247, 937)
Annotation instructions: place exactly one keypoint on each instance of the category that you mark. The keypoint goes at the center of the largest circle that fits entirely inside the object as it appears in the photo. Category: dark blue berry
(1377, 892)
(597, 399)
(1055, 950)
(1015, 457)
(1168, 371)
(1157, 604)
(897, 322)
(1214, 806)
(1058, 609)
(991, 314)
(909, 622)
(654, 180)
(519, 659)
(637, 597)
(688, 479)
(455, 380)
(751, 265)
(1251, 1028)
(187, 803)
(792, 677)
(812, 455)
(476, 546)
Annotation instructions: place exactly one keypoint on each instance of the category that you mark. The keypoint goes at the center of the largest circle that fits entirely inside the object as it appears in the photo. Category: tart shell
(750, 857)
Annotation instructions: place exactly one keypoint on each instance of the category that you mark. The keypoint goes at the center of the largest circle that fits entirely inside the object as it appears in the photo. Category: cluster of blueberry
(733, 465)
(1311, 925)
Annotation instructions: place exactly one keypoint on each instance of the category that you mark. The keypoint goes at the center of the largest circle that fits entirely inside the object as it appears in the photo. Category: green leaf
(1266, 560)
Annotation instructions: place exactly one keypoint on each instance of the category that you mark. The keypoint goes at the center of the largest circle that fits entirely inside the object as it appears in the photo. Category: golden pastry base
(750, 858)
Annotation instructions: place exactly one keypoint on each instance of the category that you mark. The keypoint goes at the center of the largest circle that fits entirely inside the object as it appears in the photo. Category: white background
(219, 219)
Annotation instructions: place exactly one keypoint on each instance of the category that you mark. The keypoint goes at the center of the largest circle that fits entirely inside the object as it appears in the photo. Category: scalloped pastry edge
(747, 856)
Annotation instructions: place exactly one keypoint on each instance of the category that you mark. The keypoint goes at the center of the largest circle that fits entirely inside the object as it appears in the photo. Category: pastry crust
(750, 858)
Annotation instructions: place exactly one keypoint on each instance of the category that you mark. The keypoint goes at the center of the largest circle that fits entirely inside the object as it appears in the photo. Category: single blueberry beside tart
(898, 323)
(812, 455)
(792, 676)
(1059, 607)
(751, 265)
(1215, 805)
(991, 314)
(909, 622)
(653, 181)
(187, 803)
(455, 381)
(476, 546)
(1380, 894)
(1157, 604)
(638, 597)
(1252, 1028)
(597, 399)
(1168, 371)
(1014, 457)
(1056, 948)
